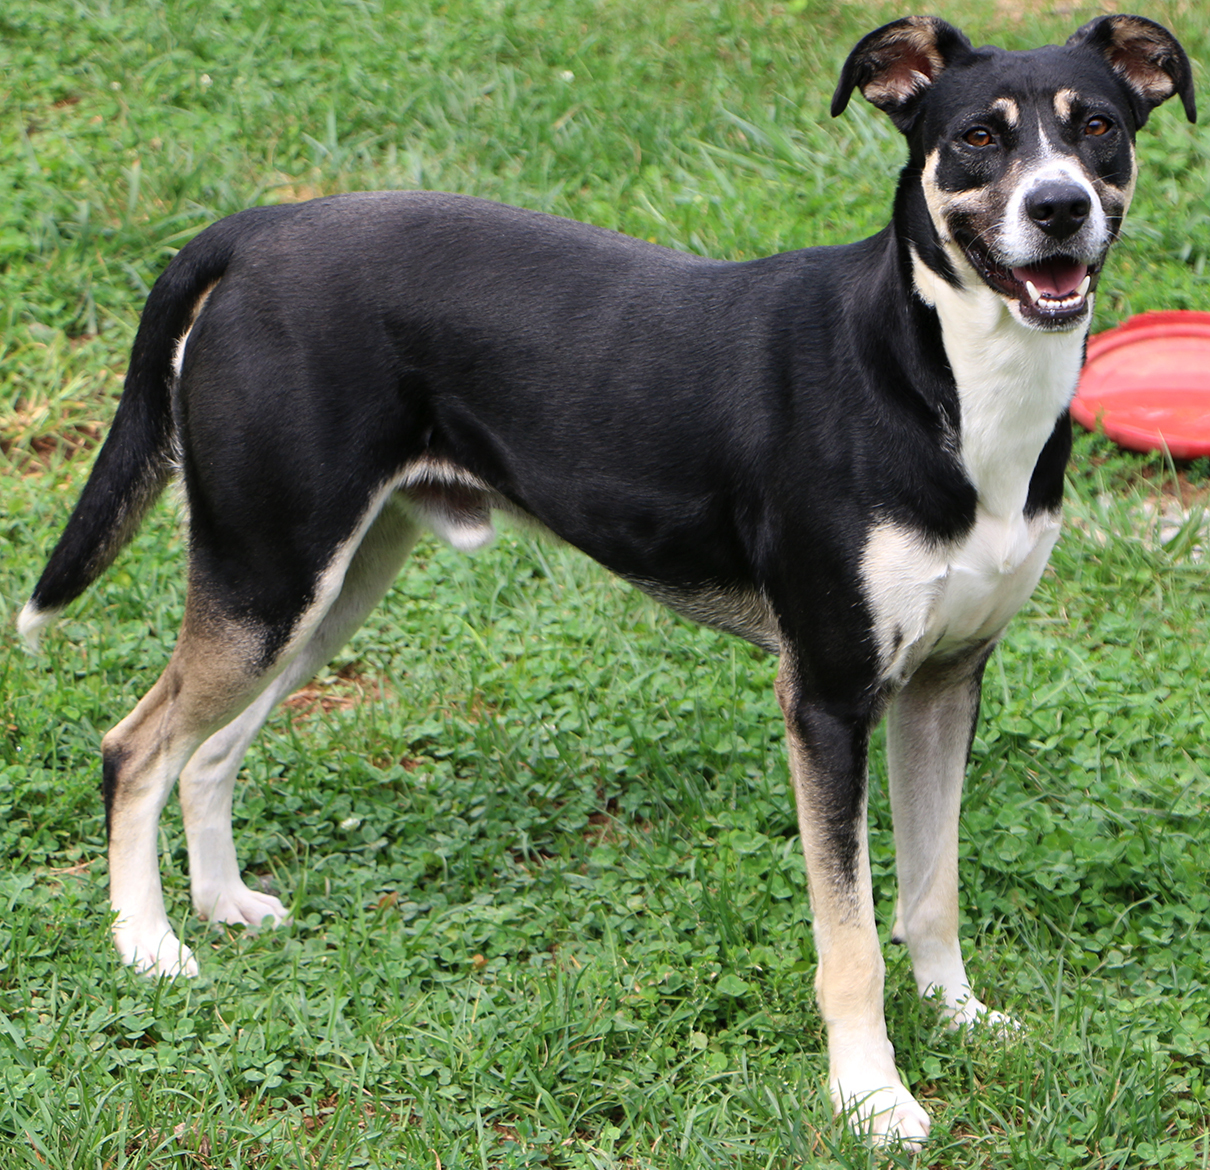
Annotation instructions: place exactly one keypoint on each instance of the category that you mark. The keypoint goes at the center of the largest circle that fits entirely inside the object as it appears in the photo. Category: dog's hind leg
(235, 641)
(828, 744)
(212, 674)
(930, 727)
(208, 780)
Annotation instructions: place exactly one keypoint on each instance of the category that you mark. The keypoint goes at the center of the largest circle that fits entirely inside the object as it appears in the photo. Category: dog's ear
(895, 65)
(1146, 56)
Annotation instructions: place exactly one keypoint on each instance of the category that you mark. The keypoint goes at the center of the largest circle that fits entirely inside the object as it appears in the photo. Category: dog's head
(1025, 160)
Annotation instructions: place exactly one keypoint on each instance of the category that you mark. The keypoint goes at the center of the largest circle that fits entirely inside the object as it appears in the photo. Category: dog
(851, 456)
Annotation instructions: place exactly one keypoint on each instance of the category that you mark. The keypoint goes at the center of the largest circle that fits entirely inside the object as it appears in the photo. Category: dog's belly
(458, 507)
(930, 599)
(743, 612)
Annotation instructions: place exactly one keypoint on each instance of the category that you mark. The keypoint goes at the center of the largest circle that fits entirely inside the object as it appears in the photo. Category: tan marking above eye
(1008, 110)
(1065, 99)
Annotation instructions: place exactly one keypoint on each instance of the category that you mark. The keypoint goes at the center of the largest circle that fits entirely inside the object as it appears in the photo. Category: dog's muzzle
(1051, 291)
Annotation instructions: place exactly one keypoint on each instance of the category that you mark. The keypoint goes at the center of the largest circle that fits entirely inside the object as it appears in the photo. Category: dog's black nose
(1058, 208)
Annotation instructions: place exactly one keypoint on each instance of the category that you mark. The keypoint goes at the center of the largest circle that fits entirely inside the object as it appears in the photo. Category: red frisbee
(1146, 384)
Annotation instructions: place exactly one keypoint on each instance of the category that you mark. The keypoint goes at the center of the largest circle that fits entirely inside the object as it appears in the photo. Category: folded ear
(895, 65)
(1146, 56)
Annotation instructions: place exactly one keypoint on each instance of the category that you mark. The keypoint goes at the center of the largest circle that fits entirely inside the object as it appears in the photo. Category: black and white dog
(852, 456)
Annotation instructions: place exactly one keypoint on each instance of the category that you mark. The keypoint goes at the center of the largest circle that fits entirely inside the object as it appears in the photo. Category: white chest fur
(930, 598)
(1013, 383)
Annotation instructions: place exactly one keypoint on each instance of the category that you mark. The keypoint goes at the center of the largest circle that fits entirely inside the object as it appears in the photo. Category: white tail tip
(31, 622)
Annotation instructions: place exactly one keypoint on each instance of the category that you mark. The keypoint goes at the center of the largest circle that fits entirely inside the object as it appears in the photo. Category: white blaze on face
(1020, 239)
(1042, 283)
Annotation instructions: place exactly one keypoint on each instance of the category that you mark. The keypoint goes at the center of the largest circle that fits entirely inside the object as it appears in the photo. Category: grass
(536, 834)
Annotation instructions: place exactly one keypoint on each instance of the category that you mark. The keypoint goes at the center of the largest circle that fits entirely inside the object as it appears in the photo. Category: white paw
(885, 1116)
(973, 1013)
(241, 905)
(154, 952)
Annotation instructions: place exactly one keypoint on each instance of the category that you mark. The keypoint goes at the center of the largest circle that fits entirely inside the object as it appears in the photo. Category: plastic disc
(1146, 384)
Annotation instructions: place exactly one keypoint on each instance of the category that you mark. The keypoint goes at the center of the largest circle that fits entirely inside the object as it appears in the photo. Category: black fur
(770, 372)
(694, 425)
(135, 461)
(1046, 483)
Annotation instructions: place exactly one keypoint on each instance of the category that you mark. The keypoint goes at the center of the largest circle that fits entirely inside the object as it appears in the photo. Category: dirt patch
(349, 687)
(34, 456)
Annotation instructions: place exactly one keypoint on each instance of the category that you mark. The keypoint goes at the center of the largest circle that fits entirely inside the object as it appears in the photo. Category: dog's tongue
(1054, 278)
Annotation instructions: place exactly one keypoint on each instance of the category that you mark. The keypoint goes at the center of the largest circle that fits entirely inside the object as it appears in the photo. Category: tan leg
(209, 677)
(828, 770)
(208, 780)
(217, 670)
(929, 730)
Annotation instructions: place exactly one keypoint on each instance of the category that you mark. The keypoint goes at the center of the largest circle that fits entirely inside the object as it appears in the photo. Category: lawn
(549, 903)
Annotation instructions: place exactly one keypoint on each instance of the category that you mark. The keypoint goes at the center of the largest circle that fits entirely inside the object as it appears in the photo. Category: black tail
(136, 460)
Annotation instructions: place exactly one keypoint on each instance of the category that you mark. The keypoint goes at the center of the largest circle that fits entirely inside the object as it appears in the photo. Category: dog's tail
(136, 459)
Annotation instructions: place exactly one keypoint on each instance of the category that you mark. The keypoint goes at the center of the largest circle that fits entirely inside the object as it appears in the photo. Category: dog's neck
(1013, 382)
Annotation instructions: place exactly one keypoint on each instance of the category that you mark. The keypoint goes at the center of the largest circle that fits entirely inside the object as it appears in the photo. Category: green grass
(549, 902)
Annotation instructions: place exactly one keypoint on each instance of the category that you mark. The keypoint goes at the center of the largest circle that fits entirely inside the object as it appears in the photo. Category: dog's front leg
(929, 731)
(828, 750)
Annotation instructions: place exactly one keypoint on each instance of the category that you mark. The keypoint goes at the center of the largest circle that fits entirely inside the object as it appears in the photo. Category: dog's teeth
(1032, 290)
(1084, 286)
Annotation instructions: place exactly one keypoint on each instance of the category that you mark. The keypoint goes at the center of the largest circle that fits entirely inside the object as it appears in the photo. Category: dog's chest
(927, 599)
(930, 597)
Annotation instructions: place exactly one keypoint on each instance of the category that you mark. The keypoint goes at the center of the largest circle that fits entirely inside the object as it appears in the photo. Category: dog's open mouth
(1050, 291)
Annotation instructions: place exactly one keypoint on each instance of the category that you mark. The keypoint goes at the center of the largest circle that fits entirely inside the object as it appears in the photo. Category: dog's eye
(978, 136)
(1098, 125)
